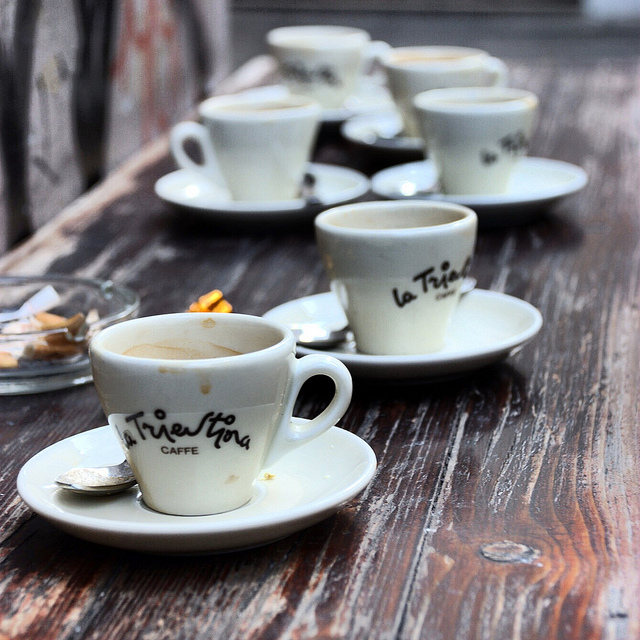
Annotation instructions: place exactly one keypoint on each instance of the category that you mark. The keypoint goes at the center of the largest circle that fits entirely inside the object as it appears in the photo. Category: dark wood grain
(85, 84)
(506, 503)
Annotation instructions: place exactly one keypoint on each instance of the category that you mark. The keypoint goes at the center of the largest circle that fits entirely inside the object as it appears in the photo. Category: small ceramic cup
(475, 135)
(256, 145)
(201, 402)
(412, 70)
(396, 269)
(322, 62)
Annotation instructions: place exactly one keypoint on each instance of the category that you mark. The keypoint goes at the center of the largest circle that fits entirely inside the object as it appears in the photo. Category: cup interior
(475, 99)
(431, 56)
(233, 107)
(189, 337)
(385, 217)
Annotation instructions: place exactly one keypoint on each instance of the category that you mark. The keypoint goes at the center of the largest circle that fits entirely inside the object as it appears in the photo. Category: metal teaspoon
(97, 480)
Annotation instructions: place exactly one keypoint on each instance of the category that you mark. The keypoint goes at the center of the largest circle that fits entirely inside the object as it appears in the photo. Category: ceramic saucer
(535, 184)
(487, 326)
(333, 185)
(382, 132)
(370, 94)
(305, 486)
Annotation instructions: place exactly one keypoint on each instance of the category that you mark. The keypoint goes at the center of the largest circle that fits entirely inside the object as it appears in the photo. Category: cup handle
(498, 72)
(198, 133)
(374, 53)
(293, 432)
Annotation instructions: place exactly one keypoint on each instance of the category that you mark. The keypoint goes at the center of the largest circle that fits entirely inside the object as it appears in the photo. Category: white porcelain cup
(476, 135)
(201, 402)
(322, 62)
(412, 70)
(255, 145)
(396, 269)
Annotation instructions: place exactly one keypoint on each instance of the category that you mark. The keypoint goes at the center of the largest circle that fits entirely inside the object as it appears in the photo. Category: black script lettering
(436, 281)
(488, 157)
(514, 143)
(423, 277)
(406, 298)
(466, 267)
(177, 430)
(296, 71)
(134, 417)
(128, 439)
(329, 76)
(225, 435)
(428, 280)
(214, 419)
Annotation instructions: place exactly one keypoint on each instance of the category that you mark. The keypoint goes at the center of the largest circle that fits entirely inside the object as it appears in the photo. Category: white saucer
(536, 183)
(487, 326)
(308, 485)
(381, 131)
(334, 185)
(370, 94)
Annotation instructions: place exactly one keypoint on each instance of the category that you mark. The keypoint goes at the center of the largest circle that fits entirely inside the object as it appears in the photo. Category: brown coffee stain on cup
(171, 369)
(205, 385)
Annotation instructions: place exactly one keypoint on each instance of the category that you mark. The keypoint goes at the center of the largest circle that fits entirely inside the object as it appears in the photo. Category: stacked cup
(412, 70)
(456, 99)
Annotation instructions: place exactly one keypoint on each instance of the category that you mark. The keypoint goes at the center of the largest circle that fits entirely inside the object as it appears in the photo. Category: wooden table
(506, 503)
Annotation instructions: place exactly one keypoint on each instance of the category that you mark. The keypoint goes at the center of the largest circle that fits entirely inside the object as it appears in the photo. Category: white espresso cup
(255, 145)
(412, 70)
(320, 61)
(201, 402)
(476, 135)
(396, 269)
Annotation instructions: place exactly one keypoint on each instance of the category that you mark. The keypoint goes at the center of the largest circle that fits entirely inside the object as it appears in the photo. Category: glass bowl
(52, 354)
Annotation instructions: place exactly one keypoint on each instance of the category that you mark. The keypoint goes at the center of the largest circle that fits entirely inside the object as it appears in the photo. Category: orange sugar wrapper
(212, 301)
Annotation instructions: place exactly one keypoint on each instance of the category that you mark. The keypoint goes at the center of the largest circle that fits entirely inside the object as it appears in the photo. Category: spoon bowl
(103, 481)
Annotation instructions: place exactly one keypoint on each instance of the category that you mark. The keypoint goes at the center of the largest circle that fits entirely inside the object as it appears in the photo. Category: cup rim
(469, 55)
(465, 100)
(279, 36)
(293, 106)
(467, 216)
(285, 343)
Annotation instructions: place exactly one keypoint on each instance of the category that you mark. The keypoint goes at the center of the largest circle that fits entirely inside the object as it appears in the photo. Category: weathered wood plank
(54, 169)
(87, 84)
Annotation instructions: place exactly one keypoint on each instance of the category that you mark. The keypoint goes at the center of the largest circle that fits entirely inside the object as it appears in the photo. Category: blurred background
(87, 83)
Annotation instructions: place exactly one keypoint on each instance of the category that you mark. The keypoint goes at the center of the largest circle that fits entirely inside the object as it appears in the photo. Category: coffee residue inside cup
(172, 351)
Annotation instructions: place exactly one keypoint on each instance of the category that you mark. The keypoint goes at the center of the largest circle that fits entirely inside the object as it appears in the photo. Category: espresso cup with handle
(396, 268)
(476, 135)
(412, 70)
(202, 402)
(323, 62)
(255, 145)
